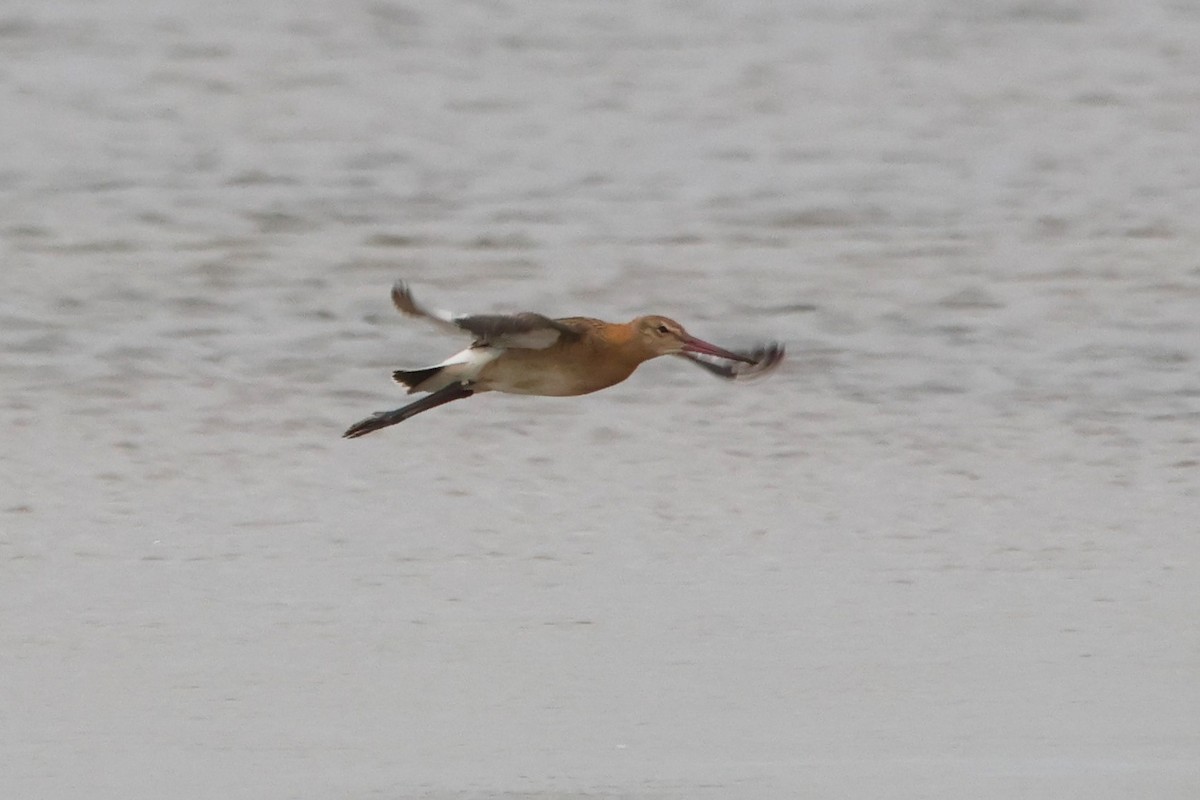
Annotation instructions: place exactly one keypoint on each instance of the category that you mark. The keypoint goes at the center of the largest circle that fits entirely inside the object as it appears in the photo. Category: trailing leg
(383, 419)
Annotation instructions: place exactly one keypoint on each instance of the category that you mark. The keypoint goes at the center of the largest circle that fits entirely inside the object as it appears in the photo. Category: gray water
(949, 550)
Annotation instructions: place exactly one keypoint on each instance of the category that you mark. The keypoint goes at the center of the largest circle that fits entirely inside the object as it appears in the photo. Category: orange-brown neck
(621, 343)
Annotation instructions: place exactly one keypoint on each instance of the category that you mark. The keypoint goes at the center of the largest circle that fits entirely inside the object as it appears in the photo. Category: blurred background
(948, 550)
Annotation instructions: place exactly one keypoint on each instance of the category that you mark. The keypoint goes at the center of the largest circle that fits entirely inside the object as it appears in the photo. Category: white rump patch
(466, 365)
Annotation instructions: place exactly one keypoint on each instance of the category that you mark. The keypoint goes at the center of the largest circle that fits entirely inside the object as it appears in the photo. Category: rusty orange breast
(603, 354)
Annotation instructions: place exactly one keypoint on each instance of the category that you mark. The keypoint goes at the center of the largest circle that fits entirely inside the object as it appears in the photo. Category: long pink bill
(694, 345)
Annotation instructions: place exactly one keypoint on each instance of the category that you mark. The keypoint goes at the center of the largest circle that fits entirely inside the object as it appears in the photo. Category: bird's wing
(404, 302)
(526, 331)
(766, 357)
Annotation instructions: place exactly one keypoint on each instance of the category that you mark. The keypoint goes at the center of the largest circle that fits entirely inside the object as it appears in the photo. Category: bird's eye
(663, 329)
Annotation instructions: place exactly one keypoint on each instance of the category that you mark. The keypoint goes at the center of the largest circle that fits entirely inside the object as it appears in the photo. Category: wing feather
(405, 303)
(527, 331)
(766, 357)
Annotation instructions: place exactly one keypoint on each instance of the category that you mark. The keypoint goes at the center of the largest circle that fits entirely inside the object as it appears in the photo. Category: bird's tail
(412, 378)
(382, 419)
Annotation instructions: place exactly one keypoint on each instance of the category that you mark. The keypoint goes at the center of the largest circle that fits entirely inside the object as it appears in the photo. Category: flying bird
(533, 354)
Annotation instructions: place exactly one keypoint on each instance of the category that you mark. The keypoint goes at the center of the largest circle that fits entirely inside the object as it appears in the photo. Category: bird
(532, 354)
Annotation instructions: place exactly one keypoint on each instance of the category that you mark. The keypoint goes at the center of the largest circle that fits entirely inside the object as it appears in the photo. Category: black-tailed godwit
(532, 354)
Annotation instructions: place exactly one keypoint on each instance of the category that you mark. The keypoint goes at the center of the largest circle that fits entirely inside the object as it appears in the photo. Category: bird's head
(663, 336)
